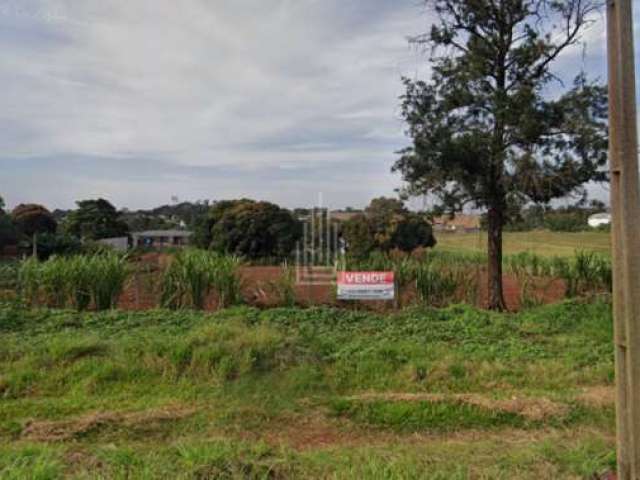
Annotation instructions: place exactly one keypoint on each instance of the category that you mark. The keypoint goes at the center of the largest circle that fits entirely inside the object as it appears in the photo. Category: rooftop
(163, 233)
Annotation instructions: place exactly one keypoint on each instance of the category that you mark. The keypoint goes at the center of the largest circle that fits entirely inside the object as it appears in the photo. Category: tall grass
(76, 282)
(194, 274)
(439, 277)
(443, 277)
(285, 286)
(584, 273)
(8, 275)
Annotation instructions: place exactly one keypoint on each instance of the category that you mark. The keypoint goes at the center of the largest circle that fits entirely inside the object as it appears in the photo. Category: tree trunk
(494, 226)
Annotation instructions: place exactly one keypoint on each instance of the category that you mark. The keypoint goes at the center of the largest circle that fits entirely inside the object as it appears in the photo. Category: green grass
(193, 274)
(304, 393)
(78, 281)
(540, 242)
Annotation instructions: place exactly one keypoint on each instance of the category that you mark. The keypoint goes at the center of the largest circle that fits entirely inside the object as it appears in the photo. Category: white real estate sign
(366, 286)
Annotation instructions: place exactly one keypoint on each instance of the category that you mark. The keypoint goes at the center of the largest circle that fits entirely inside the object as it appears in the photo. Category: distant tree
(410, 231)
(139, 221)
(187, 212)
(387, 224)
(30, 219)
(249, 229)
(48, 244)
(202, 235)
(381, 211)
(95, 219)
(359, 236)
(8, 232)
(486, 130)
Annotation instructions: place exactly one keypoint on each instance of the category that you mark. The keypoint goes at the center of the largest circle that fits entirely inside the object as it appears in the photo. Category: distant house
(599, 220)
(161, 238)
(461, 223)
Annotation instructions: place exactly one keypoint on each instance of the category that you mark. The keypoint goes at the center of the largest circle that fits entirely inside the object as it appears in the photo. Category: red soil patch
(315, 432)
(541, 291)
(260, 289)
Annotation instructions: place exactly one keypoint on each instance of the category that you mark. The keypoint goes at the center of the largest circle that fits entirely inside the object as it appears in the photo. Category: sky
(139, 101)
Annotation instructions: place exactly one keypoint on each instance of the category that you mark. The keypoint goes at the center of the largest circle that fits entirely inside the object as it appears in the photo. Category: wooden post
(625, 205)
(622, 420)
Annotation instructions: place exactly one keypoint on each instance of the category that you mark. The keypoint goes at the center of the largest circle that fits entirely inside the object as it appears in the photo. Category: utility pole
(625, 206)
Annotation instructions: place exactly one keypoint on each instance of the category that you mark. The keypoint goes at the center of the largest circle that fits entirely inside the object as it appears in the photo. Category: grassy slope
(541, 242)
(317, 393)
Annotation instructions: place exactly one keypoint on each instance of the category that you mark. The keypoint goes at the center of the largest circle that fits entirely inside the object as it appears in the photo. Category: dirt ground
(260, 289)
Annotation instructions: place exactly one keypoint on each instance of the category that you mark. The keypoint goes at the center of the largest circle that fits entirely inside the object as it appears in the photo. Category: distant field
(541, 242)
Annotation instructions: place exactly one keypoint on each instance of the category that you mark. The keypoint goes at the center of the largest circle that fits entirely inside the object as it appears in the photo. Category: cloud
(142, 99)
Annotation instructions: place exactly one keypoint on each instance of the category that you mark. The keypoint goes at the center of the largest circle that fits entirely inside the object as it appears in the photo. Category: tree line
(246, 228)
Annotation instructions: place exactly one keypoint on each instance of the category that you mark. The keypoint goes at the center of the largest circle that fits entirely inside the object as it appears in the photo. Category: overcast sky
(141, 100)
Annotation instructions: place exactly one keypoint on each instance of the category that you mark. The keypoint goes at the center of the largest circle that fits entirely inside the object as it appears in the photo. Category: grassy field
(455, 393)
(541, 242)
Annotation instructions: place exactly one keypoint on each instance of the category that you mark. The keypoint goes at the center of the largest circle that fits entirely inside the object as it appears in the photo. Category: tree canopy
(386, 225)
(490, 129)
(95, 219)
(30, 219)
(249, 229)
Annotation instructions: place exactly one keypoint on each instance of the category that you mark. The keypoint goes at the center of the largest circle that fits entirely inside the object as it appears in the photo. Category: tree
(204, 223)
(31, 219)
(48, 244)
(387, 224)
(358, 234)
(486, 130)
(8, 233)
(381, 210)
(95, 219)
(250, 229)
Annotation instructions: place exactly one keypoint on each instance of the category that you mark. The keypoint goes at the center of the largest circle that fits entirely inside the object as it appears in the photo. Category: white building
(599, 219)
(161, 238)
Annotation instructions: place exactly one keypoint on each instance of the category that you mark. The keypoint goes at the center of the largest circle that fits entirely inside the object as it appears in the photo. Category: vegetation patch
(254, 387)
(426, 415)
(50, 431)
(534, 409)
